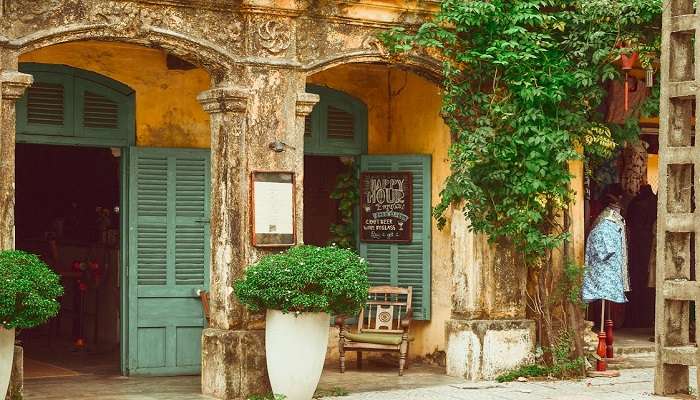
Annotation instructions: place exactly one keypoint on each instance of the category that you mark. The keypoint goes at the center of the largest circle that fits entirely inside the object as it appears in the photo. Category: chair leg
(342, 359)
(341, 348)
(359, 360)
(405, 366)
(403, 351)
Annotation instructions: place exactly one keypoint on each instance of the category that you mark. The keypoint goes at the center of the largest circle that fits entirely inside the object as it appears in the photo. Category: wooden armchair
(383, 325)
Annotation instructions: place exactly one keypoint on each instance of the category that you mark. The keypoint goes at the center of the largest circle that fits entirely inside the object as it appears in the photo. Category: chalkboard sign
(385, 207)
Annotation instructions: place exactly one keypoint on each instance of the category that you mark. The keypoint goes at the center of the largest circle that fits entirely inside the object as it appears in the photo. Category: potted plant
(28, 292)
(301, 288)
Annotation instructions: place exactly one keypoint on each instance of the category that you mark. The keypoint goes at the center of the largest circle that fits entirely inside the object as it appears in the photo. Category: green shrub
(28, 290)
(306, 279)
(526, 371)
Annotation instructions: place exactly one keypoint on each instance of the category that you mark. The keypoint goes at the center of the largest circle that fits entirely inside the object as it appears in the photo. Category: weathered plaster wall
(167, 111)
(411, 125)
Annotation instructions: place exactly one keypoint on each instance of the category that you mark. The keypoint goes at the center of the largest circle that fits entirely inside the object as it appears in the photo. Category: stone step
(633, 361)
(635, 349)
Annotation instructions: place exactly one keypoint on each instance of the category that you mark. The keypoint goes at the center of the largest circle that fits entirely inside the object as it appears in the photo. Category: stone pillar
(233, 357)
(12, 86)
(244, 122)
(487, 333)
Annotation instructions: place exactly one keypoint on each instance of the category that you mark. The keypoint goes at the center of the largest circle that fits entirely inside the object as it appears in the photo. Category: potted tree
(28, 292)
(301, 288)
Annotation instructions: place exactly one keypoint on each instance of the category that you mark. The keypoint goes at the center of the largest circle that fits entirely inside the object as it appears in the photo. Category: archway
(161, 142)
(72, 127)
(402, 132)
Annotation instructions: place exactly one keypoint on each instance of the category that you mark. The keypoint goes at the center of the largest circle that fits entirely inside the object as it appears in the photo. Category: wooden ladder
(678, 224)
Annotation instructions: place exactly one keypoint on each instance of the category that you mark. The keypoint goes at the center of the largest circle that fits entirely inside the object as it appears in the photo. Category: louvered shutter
(169, 252)
(100, 111)
(69, 106)
(47, 106)
(405, 264)
(337, 125)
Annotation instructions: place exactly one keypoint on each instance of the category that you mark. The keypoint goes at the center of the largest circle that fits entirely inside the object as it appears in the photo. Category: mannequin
(606, 276)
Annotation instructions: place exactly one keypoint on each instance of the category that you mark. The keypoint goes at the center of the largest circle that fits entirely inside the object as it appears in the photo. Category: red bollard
(601, 365)
(609, 338)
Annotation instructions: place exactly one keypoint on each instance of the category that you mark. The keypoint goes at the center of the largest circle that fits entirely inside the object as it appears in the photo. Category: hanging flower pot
(628, 60)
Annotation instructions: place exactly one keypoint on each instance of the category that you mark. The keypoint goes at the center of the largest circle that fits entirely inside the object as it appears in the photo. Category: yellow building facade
(219, 83)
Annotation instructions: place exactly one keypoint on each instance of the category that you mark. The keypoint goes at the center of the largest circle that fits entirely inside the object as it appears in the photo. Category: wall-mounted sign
(385, 207)
(273, 209)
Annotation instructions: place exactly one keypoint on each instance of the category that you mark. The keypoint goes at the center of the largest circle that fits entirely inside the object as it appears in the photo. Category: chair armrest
(406, 320)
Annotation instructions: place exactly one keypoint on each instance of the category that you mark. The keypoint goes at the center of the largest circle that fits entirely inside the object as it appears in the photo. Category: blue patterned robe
(605, 275)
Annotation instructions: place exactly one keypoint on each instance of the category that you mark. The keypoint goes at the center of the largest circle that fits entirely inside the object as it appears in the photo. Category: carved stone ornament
(306, 103)
(224, 99)
(13, 84)
(274, 36)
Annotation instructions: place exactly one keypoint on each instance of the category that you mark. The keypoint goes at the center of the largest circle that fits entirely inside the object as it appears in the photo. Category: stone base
(484, 349)
(14, 391)
(233, 364)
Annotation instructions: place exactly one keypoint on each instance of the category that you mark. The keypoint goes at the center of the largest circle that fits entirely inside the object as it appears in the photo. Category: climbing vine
(523, 84)
(347, 192)
(523, 80)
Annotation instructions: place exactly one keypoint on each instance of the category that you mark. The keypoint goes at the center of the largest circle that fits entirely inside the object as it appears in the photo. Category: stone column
(12, 86)
(487, 333)
(244, 122)
(233, 357)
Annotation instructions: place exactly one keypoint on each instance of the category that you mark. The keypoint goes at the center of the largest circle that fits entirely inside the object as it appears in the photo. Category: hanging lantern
(627, 65)
(650, 77)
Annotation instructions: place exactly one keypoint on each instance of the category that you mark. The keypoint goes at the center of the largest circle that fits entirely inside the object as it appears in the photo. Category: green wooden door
(404, 264)
(169, 251)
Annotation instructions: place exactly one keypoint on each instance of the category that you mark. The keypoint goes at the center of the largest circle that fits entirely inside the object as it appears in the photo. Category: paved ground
(632, 385)
(97, 377)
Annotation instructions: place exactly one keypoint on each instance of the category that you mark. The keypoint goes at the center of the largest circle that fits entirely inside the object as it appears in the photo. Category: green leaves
(306, 279)
(347, 191)
(28, 290)
(523, 81)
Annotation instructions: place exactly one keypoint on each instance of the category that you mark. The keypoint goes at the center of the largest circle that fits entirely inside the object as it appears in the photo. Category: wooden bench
(383, 325)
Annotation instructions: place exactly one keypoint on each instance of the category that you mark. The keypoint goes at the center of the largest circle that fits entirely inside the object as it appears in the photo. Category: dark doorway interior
(67, 211)
(320, 211)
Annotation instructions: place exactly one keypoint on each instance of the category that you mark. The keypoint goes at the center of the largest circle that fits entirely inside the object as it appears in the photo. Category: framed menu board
(386, 207)
(273, 209)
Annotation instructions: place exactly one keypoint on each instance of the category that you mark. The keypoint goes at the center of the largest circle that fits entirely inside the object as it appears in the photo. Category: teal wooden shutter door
(405, 264)
(169, 248)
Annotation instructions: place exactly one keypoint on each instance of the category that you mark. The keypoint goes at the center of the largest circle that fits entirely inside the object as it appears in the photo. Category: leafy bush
(306, 279)
(28, 290)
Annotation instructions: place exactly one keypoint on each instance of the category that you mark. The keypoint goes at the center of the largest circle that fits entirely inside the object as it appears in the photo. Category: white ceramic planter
(295, 348)
(7, 351)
